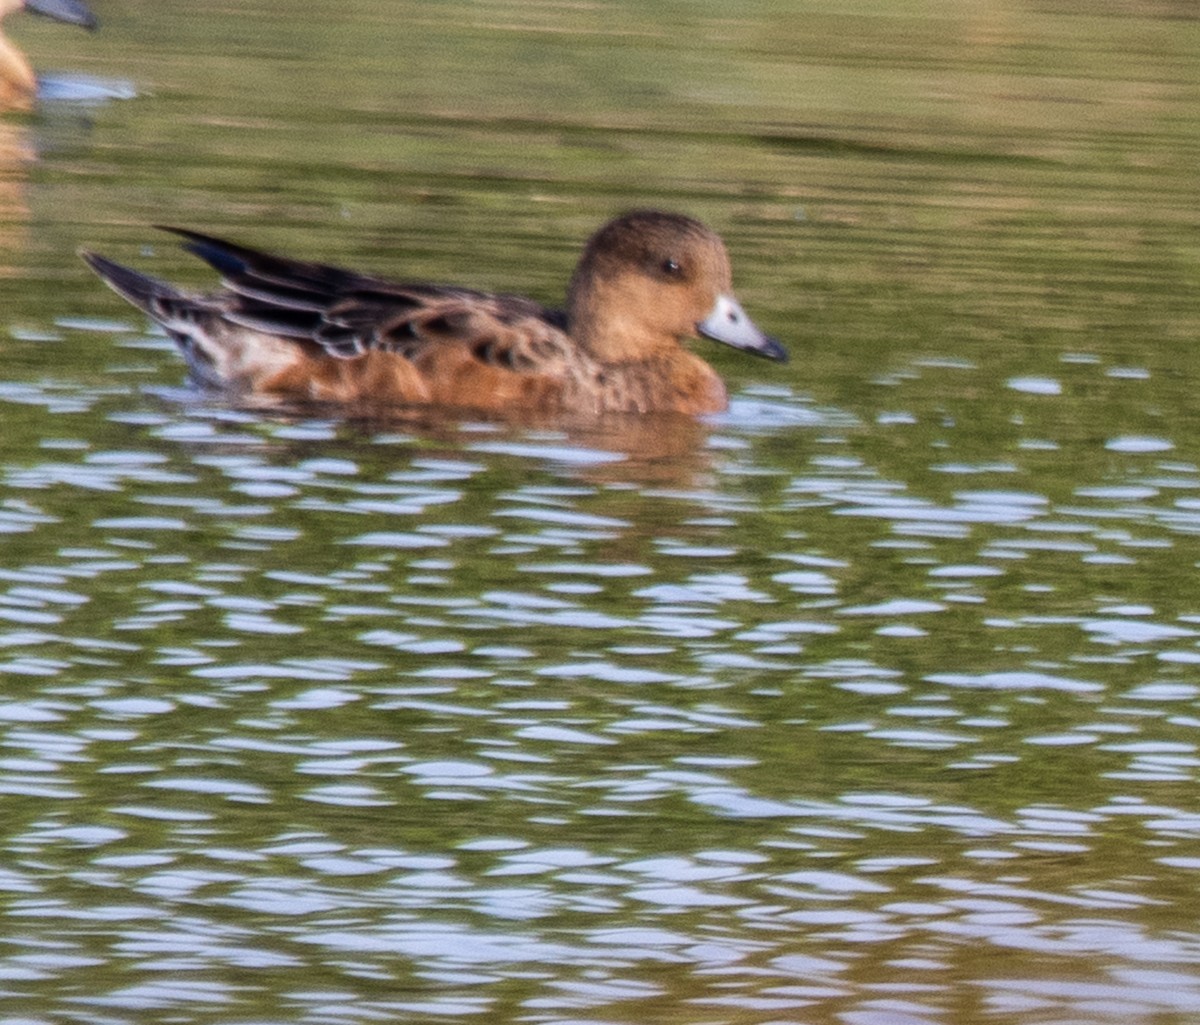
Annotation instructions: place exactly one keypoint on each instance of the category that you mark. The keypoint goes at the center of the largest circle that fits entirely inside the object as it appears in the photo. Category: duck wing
(347, 313)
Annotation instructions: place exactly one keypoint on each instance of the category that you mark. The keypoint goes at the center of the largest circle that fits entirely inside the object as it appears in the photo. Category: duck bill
(729, 324)
(73, 12)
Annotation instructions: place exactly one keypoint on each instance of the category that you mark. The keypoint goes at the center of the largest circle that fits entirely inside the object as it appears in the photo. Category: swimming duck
(298, 331)
(18, 84)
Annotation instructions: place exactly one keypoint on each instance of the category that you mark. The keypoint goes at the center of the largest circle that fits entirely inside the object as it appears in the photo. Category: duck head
(649, 279)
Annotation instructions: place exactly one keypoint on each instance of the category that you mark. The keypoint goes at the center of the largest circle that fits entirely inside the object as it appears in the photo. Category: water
(871, 702)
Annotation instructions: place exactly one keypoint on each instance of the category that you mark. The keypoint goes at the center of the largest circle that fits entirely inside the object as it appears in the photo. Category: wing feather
(346, 313)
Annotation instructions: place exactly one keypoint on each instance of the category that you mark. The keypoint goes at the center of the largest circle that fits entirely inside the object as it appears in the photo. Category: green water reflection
(873, 702)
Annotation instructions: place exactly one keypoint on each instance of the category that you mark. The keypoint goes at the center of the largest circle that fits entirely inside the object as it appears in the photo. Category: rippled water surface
(875, 701)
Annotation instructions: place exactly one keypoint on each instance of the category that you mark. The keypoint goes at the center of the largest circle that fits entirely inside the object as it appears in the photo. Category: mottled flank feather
(306, 331)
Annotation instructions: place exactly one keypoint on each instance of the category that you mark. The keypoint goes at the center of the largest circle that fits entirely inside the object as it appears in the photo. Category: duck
(292, 331)
(18, 84)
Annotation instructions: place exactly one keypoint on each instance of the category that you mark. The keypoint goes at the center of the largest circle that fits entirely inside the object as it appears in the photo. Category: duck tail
(179, 314)
(145, 292)
(220, 353)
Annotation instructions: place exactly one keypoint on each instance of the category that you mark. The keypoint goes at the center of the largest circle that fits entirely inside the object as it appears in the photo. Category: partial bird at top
(18, 84)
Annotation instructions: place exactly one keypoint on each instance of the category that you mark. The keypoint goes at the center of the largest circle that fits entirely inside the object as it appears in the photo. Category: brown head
(649, 279)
